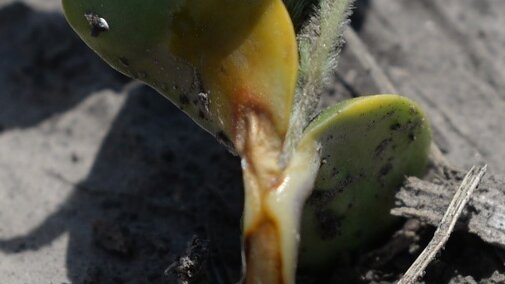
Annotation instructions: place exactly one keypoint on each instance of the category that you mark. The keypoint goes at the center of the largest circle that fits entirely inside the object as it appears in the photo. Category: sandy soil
(104, 181)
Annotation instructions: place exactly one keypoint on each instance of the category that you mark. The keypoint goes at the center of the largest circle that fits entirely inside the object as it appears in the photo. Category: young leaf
(368, 146)
(215, 59)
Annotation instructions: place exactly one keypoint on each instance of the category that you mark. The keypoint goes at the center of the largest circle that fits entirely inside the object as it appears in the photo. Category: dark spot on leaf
(412, 136)
(224, 140)
(321, 197)
(362, 173)
(371, 124)
(334, 171)
(395, 126)
(222, 137)
(329, 224)
(382, 146)
(184, 99)
(347, 181)
(317, 197)
(412, 126)
(124, 61)
(385, 169)
(388, 114)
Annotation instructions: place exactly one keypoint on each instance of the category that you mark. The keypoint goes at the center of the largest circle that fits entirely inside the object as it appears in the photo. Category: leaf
(215, 59)
(368, 146)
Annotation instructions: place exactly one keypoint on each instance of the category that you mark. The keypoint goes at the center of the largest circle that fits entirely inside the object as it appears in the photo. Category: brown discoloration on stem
(263, 255)
(259, 145)
(249, 109)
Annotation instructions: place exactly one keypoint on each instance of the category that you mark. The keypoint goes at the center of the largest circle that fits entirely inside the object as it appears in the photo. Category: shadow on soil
(45, 67)
(157, 181)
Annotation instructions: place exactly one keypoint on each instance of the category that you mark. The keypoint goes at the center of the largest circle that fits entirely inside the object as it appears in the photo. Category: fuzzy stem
(319, 44)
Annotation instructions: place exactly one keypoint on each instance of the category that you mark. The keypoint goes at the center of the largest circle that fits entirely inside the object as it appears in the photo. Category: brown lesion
(263, 255)
(255, 137)
(259, 145)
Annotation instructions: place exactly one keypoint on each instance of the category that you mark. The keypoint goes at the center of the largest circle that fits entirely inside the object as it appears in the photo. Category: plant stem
(274, 199)
(318, 44)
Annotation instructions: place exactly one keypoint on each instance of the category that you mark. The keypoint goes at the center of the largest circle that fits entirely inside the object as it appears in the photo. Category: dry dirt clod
(191, 267)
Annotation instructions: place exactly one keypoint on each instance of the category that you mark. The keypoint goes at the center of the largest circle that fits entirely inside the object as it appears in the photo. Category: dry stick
(427, 201)
(470, 182)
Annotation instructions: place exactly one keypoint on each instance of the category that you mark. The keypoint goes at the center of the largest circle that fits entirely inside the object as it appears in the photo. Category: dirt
(104, 181)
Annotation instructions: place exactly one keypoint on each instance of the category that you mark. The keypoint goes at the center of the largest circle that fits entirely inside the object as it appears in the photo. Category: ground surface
(103, 181)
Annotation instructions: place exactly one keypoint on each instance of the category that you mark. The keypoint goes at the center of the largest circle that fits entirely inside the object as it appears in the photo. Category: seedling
(237, 69)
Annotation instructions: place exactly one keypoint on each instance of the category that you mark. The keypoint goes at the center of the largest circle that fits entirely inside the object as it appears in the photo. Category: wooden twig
(462, 196)
(426, 200)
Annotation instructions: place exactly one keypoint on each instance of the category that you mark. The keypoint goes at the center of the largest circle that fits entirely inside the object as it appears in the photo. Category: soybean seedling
(240, 71)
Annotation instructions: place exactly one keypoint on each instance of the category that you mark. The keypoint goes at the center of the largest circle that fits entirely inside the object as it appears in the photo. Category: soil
(104, 181)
